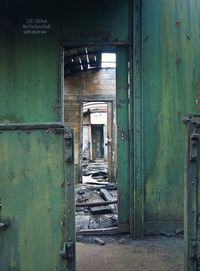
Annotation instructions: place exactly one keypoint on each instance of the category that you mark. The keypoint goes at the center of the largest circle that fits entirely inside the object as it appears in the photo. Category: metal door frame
(123, 120)
(136, 123)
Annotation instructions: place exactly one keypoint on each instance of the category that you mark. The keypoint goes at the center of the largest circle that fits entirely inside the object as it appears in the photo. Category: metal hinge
(67, 252)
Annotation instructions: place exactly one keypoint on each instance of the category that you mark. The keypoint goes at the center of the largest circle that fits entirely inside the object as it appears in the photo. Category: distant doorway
(97, 141)
(98, 138)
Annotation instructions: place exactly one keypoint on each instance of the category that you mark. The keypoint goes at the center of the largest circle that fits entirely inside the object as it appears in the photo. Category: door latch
(67, 253)
(194, 138)
(69, 146)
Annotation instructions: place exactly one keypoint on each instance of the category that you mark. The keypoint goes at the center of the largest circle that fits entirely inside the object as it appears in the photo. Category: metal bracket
(69, 147)
(194, 138)
(67, 252)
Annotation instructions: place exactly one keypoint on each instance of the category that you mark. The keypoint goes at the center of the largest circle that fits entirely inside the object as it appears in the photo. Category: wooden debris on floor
(96, 206)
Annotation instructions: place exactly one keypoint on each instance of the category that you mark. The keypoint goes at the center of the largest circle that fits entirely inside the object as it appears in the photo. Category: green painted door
(36, 173)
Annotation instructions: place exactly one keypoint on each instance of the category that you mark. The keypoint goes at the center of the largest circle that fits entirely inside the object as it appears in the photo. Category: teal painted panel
(171, 85)
(89, 21)
(32, 171)
(122, 116)
(30, 88)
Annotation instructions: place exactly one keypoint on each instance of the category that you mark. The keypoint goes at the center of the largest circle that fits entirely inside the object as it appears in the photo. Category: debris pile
(96, 207)
(94, 171)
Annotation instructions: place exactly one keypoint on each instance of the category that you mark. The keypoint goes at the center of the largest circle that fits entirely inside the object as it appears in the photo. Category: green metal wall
(29, 63)
(171, 88)
(95, 21)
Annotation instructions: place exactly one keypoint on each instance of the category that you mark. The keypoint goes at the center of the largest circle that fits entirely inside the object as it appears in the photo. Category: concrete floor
(152, 254)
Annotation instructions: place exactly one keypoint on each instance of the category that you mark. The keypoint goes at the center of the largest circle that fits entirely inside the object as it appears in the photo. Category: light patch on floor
(153, 254)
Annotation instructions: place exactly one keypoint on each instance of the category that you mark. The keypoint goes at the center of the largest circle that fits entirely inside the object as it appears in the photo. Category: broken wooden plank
(93, 204)
(106, 195)
(102, 231)
(99, 241)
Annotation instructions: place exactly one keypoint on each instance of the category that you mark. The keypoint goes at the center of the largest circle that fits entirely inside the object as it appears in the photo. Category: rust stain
(178, 23)
(198, 98)
(178, 60)
(198, 82)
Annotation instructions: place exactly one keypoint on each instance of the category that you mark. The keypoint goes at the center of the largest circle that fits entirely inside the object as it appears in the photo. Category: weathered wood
(106, 195)
(91, 204)
(103, 231)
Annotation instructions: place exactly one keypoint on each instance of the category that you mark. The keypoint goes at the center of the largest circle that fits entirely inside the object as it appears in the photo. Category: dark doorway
(97, 141)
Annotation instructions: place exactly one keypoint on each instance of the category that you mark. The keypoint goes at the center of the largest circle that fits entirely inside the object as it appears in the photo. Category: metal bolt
(69, 211)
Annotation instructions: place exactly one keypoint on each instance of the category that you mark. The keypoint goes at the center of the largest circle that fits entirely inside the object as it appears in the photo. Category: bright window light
(108, 60)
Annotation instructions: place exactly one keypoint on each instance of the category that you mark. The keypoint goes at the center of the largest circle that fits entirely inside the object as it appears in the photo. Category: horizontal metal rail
(32, 126)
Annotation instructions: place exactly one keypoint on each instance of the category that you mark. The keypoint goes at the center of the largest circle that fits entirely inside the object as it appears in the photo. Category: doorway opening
(90, 109)
(98, 142)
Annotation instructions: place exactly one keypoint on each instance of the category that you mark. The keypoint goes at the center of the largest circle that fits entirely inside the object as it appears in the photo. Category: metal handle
(194, 138)
(69, 146)
(67, 252)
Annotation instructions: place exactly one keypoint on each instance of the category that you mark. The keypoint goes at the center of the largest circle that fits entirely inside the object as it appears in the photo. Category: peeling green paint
(170, 79)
